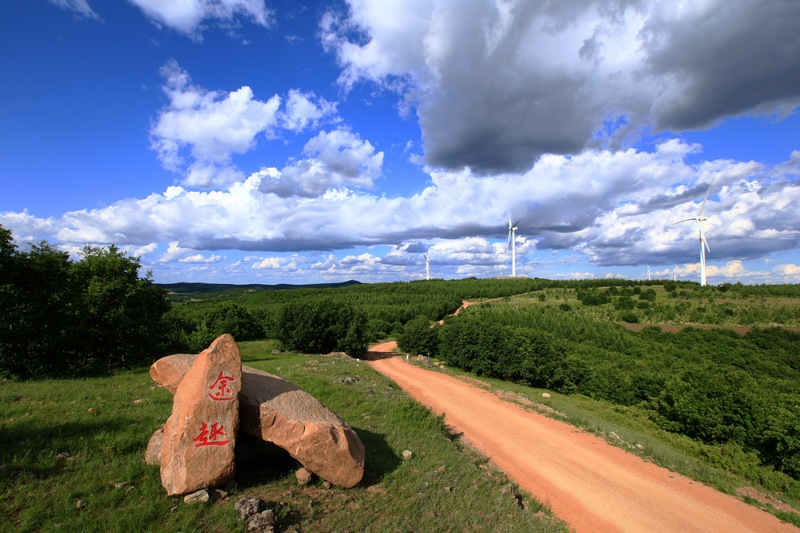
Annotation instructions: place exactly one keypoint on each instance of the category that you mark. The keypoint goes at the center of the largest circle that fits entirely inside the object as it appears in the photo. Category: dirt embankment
(593, 486)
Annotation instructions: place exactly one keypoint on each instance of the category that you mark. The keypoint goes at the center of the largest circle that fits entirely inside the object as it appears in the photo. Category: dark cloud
(742, 56)
(495, 86)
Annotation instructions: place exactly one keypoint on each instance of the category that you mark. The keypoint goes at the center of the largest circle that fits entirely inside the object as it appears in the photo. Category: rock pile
(215, 395)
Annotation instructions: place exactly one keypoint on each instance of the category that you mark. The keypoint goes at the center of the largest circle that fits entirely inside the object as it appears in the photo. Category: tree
(419, 338)
(37, 312)
(121, 313)
(322, 326)
(63, 318)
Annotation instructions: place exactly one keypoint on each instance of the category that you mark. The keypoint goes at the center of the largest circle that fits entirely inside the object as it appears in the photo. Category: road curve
(591, 485)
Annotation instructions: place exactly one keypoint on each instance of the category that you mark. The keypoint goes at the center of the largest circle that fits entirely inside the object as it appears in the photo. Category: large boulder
(200, 435)
(279, 412)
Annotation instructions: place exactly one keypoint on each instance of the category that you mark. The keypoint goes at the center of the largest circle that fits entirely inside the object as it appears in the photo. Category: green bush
(323, 326)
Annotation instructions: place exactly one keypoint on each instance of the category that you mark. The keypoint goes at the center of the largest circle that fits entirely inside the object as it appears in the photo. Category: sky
(259, 141)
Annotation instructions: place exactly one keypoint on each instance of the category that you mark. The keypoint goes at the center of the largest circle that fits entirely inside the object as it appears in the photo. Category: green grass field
(71, 441)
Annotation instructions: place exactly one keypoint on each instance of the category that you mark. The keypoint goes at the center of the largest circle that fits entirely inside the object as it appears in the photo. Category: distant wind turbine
(427, 266)
(675, 273)
(703, 244)
(648, 273)
(512, 234)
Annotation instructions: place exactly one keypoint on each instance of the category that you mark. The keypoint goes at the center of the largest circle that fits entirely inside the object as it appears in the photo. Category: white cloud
(80, 7)
(495, 85)
(302, 112)
(209, 127)
(187, 16)
(336, 159)
(200, 258)
(614, 208)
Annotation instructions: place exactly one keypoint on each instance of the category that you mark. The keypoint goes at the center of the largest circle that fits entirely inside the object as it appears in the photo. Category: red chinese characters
(214, 437)
(220, 391)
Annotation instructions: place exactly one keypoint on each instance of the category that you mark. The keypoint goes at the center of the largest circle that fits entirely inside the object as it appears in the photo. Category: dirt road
(588, 483)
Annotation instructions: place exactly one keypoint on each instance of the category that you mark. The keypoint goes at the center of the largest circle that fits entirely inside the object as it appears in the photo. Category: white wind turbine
(648, 273)
(427, 266)
(703, 244)
(512, 234)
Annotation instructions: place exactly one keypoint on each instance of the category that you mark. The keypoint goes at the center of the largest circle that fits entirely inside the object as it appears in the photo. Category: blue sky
(249, 141)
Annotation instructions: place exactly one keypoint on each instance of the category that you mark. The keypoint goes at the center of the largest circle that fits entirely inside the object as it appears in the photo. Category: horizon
(253, 142)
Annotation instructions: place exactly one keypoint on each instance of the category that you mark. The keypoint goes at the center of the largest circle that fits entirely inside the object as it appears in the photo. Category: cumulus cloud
(81, 8)
(188, 16)
(495, 85)
(336, 159)
(209, 127)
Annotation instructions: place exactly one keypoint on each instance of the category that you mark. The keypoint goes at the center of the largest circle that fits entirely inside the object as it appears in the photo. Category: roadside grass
(71, 459)
(727, 468)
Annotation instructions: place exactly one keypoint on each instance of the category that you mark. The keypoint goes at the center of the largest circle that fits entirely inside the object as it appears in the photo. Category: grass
(71, 441)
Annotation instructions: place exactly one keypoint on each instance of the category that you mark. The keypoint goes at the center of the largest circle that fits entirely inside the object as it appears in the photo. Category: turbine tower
(512, 234)
(427, 266)
(648, 273)
(703, 244)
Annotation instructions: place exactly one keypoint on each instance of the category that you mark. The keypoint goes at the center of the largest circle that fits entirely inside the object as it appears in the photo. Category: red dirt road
(588, 483)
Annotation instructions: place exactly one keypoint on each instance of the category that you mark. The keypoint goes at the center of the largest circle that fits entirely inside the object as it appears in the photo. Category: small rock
(80, 504)
(247, 507)
(201, 496)
(217, 494)
(614, 436)
(545, 395)
(441, 469)
(64, 456)
(139, 401)
(119, 485)
(173, 509)
(406, 455)
(263, 522)
(640, 447)
(327, 484)
(92, 411)
(303, 476)
(448, 490)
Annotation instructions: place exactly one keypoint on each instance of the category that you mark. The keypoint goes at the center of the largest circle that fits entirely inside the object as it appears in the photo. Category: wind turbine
(648, 273)
(703, 244)
(675, 273)
(512, 234)
(427, 266)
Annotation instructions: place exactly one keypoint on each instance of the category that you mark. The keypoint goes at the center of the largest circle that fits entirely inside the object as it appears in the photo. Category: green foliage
(323, 326)
(419, 337)
(483, 346)
(63, 318)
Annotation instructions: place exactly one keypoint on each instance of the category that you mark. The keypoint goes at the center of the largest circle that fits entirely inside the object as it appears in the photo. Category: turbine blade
(682, 221)
(509, 220)
(515, 224)
(702, 205)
